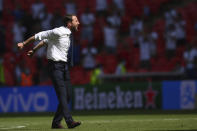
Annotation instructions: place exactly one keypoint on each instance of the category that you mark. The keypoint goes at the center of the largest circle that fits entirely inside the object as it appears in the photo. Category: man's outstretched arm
(35, 48)
(39, 36)
(21, 45)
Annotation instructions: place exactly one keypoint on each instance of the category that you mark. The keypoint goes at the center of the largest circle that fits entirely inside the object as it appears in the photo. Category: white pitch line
(171, 119)
(176, 119)
(13, 127)
(148, 120)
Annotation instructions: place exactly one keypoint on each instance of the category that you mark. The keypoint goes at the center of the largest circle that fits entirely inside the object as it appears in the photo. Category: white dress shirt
(110, 37)
(58, 41)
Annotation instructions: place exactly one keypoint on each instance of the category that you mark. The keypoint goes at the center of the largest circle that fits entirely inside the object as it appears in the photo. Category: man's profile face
(75, 23)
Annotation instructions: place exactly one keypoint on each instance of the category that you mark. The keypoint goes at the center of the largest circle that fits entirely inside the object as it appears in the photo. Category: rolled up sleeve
(46, 41)
(49, 34)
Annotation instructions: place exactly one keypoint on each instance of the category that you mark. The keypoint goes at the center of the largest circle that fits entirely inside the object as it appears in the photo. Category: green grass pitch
(107, 121)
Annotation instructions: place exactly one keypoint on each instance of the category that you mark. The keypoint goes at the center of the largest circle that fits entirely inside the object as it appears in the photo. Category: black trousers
(59, 73)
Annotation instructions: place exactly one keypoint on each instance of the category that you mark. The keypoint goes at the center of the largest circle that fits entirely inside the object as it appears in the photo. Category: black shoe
(73, 124)
(57, 127)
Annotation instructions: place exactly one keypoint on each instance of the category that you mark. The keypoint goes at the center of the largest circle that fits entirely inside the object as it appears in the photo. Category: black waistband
(62, 62)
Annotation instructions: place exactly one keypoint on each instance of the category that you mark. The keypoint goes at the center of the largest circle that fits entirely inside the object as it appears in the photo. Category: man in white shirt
(180, 25)
(190, 57)
(18, 31)
(58, 43)
(37, 8)
(110, 37)
(101, 6)
(170, 38)
(145, 53)
(87, 20)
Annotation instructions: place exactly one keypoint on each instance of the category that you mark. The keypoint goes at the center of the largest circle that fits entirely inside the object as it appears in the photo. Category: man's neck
(68, 28)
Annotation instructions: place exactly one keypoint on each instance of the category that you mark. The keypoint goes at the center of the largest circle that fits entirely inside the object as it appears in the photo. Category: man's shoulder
(62, 30)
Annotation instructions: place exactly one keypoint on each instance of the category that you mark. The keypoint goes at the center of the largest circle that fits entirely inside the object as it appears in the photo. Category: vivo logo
(16, 102)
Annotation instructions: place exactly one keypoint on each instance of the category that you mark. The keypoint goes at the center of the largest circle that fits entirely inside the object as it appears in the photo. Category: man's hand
(30, 53)
(20, 45)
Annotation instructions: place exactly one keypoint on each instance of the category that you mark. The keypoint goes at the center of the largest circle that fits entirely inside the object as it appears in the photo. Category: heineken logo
(117, 99)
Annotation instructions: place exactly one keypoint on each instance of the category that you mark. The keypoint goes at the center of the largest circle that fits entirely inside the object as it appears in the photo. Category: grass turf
(107, 121)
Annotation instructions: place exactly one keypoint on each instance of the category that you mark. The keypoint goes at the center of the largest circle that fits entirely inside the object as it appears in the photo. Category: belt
(62, 62)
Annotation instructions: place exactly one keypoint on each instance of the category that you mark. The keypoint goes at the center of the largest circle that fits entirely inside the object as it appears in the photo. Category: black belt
(62, 62)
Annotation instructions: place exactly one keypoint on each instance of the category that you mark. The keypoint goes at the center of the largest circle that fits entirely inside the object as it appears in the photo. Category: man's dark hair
(67, 18)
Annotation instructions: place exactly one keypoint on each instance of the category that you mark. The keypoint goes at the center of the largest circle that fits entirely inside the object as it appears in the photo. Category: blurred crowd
(115, 37)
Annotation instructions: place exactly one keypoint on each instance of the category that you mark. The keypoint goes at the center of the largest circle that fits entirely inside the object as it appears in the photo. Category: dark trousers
(59, 73)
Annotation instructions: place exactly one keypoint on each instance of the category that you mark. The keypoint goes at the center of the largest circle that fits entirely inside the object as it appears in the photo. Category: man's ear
(69, 24)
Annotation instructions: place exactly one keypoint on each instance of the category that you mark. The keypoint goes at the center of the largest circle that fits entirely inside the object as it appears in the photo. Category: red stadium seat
(110, 64)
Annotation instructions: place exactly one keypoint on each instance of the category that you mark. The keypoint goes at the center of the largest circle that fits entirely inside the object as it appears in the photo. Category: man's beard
(74, 28)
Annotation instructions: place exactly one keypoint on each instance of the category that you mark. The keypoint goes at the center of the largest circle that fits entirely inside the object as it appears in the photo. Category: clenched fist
(20, 45)
(30, 53)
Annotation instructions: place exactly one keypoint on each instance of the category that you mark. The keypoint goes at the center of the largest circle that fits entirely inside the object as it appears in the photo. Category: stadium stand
(128, 47)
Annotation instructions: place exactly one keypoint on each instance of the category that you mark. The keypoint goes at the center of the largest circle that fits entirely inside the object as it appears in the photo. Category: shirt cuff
(38, 36)
(45, 41)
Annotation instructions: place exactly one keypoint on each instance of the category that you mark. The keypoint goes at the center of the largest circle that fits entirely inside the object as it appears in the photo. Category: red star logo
(150, 95)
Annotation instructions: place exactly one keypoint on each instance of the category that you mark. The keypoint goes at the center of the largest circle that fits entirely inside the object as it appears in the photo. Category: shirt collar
(67, 30)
